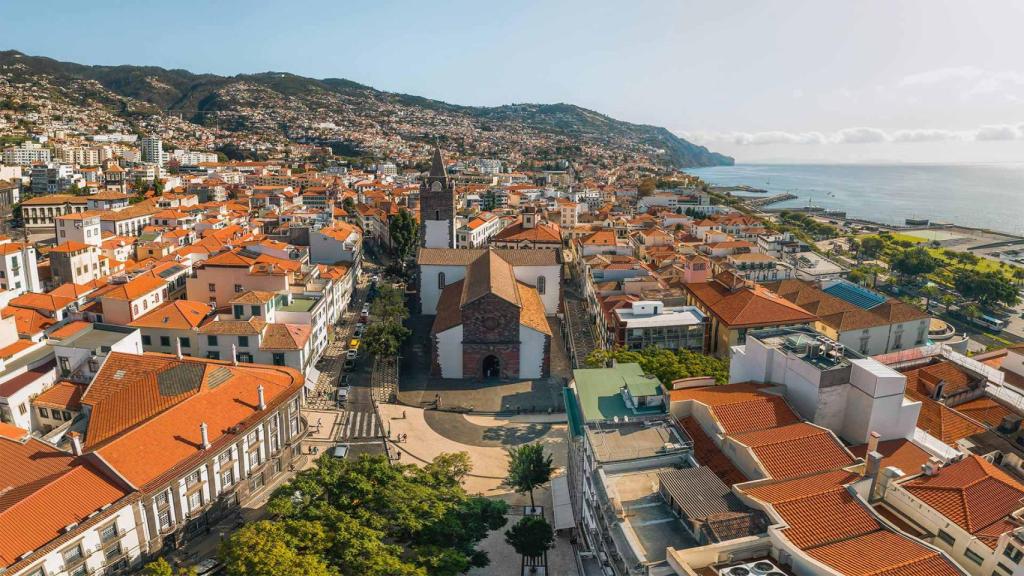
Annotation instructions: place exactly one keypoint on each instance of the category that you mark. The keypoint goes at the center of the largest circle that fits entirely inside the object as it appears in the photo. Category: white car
(352, 354)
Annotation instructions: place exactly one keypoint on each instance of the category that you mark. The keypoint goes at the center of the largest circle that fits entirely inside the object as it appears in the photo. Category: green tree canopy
(871, 247)
(666, 365)
(913, 262)
(988, 288)
(266, 548)
(160, 567)
(532, 536)
(385, 338)
(528, 468)
(404, 234)
(389, 305)
(368, 517)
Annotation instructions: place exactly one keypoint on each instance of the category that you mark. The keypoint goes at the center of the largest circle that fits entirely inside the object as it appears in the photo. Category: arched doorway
(492, 367)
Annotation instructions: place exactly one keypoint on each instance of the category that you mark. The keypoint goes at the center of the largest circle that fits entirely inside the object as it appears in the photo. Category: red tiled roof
(746, 306)
(796, 449)
(48, 490)
(175, 315)
(901, 453)
(973, 493)
(151, 407)
(742, 407)
(883, 553)
(64, 395)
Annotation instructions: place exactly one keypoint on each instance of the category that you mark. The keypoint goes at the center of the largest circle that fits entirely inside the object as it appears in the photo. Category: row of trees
(384, 337)
(666, 365)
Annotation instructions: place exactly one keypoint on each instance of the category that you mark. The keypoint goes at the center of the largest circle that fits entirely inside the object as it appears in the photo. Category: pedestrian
(403, 414)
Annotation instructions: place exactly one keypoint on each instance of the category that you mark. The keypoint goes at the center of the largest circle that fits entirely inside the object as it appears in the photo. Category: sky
(781, 81)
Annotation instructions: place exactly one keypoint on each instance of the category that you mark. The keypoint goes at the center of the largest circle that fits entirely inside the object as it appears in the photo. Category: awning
(312, 377)
(563, 506)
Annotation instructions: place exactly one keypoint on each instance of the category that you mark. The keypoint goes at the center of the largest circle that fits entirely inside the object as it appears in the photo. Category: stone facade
(490, 327)
(437, 203)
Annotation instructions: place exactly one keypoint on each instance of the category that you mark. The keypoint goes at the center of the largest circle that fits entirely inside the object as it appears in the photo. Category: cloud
(997, 132)
(972, 81)
(859, 135)
(925, 135)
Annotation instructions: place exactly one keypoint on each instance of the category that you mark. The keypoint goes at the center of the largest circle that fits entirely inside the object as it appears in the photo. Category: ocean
(978, 195)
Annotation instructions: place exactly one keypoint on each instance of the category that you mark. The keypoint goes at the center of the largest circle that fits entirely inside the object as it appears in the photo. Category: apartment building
(477, 230)
(81, 227)
(19, 271)
(26, 154)
(40, 212)
(340, 242)
(650, 323)
(77, 263)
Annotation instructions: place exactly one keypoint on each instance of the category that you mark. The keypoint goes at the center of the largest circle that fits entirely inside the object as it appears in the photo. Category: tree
(913, 262)
(646, 187)
(384, 339)
(160, 567)
(857, 276)
(666, 365)
(947, 301)
(988, 288)
(265, 548)
(528, 468)
(158, 186)
(930, 292)
(368, 517)
(871, 247)
(404, 234)
(348, 204)
(389, 304)
(532, 536)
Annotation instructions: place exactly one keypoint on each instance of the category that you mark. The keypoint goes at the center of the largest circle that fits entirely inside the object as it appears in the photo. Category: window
(112, 552)
(44, 412)
(973, 556)
(193, 478)
(211, 340)
(72, 555)
(23, 409)
(165, 518)
(278, 358)
(146, 340)
(256, 311)
(79, 571)
(293, 425)
(162, 498)
(36, 572)
(1003, 567)
(440, 281)
(1013, 553)
(165, 341)
(946, 537)
(213, 355)
(224, 457)
(238, 310)
(238, 288)
(195, 501)
(254, 459)
(67, 415)
(108, 533)
(227, 478)
(185, 342)
(542, 284)
(245, 357)
(243, 341)
(212, 287)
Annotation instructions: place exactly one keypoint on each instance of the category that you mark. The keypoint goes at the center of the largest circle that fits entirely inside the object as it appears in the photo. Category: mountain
(274, 104)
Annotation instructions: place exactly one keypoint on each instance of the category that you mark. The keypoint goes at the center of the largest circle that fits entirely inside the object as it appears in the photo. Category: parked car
(339, 451)
(208, 567)
(358, 332)
(352, 354)
(345, 378)
(342, 396)
(349, 364)
(354, 343)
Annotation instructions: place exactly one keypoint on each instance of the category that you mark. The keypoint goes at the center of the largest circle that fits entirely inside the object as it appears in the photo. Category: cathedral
(490, 306)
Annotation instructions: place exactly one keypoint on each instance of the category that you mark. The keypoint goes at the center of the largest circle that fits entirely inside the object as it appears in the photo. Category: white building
(341, 242)
(440, 267)
(81, 227)
(152, 148)
(19, 272)
(26, 154)
(478, 230)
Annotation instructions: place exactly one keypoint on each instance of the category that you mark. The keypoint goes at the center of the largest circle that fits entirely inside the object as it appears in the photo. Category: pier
(759, 202)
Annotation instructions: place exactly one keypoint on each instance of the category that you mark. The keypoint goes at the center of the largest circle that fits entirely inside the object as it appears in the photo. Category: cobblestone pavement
(579, 327)
(384, 380)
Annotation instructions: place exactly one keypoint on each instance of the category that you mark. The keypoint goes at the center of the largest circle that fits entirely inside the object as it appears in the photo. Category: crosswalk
(360, 422)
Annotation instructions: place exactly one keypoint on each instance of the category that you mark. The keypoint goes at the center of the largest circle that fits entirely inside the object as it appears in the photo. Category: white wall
(531, 352)
(430, 293)
(877, 403)
(553, 281)
(436, 233)
(449, 352)
(53, 562)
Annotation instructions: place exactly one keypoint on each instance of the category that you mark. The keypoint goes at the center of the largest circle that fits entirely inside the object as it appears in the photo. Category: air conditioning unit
(756, 568)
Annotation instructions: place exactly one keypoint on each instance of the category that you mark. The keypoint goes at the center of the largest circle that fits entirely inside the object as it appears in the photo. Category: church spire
(437, 169)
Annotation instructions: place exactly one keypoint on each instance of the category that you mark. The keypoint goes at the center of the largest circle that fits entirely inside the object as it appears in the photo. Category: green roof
(299, 304)
(599, 391)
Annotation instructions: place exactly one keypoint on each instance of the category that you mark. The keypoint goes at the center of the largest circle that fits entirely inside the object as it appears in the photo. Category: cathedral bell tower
(437, 206)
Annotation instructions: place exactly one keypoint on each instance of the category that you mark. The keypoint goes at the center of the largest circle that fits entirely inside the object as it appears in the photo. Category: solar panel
(856, 295)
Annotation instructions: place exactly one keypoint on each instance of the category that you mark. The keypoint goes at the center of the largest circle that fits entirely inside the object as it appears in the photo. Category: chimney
(874, 465)
(931, 468)
(76, 443)
(204, 430)
(234, 354)
(178, 347)
(873, 442)
(262, 401)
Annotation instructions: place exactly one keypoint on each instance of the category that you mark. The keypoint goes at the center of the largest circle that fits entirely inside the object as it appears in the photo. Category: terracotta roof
(489, 274)
(174, 315)
(542, 233)
(54, 199)
(463, 257)
(531, 313)
(785, 490)
(28, 320)
(746, 306)
(825, 517)
(985, 410)
(64, 395)
(901, 453)
(70, 329)
(177, 396)
(15, 348)
(741, 408)
(69, 246)
(48, 490)
(285, 336)
(900, 556)
(973, 493)
(12, 432)
(249, 327)
(135, 288)
(940, 421)
(796, 449)
(708, 454)
(253, 297)
(230, 259)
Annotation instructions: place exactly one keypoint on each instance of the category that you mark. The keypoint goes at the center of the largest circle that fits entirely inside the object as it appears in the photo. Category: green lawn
(897, 236)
